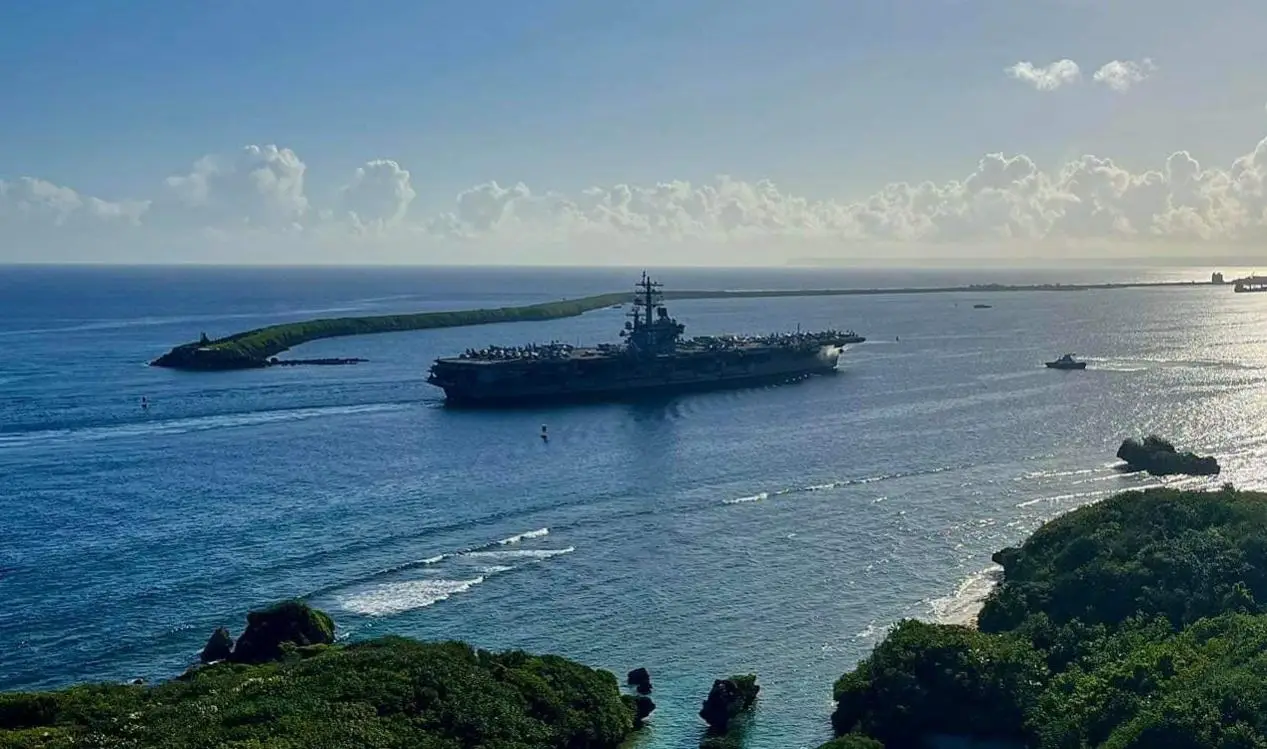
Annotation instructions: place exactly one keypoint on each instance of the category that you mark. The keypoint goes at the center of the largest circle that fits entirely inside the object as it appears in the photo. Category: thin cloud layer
(27, 200)
(259, 193)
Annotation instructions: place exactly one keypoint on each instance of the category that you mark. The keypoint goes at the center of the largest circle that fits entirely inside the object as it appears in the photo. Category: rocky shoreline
(1122, 622)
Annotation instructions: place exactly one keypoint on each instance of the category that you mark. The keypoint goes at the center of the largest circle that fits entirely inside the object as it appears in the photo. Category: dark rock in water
(218, 648)
(643, 707)
(137, 682)
(641, 679)
(1160, 458)
(728, 698)
(289, 622)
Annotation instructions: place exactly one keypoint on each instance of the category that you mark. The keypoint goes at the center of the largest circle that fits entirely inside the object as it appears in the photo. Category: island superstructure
(654, 358)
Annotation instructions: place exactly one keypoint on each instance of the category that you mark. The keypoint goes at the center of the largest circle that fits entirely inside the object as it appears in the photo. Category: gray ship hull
(648, 379)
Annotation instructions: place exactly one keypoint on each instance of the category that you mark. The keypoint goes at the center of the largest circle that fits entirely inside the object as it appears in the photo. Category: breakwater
(255, 349)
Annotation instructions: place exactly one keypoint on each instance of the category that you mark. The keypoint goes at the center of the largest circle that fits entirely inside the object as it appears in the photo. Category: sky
(698, 132)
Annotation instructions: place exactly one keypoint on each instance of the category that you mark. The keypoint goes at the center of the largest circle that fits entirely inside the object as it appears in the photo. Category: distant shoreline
(257, 349)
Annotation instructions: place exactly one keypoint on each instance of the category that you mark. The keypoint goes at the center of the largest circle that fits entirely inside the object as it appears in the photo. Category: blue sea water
(776, 530)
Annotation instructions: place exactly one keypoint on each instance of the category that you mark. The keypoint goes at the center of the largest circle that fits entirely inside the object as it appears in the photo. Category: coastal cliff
(283, 684)
(1137, 622)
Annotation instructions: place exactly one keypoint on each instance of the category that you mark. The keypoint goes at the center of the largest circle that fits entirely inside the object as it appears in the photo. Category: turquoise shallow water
(777, 530)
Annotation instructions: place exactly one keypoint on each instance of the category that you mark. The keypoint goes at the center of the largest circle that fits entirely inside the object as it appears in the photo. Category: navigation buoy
(145, 403)
(544, 436)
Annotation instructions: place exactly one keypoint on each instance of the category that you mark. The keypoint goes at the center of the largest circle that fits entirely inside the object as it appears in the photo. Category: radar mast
(651, 331)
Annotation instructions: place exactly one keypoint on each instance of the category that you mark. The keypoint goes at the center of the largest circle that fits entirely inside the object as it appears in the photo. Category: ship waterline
(654, 360)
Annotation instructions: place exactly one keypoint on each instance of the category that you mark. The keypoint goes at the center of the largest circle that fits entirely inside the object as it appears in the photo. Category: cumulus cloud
(1046, 78)
(260, 186)
(255, 201)
(1122, 75)
(378, 195)
(1005, 198)
(36, 201)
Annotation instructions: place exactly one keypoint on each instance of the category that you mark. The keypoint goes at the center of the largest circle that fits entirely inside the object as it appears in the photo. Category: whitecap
(520, 553)
(397, 598)
(538, 533)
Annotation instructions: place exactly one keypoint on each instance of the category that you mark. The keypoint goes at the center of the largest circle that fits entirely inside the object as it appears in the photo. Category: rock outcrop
(727, 699)
(1160, 458)
(289, 622)
(643, 707)
(219, 646)
(640, 679)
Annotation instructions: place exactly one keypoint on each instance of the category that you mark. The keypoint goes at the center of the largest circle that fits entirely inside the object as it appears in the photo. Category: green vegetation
(389, 693)
(927, 679)
(255, 348)
(1128, 624)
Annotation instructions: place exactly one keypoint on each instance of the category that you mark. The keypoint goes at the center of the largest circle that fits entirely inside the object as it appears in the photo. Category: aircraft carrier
(653, 359)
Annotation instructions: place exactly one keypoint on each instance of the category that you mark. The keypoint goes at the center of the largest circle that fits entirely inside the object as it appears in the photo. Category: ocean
(776, 530)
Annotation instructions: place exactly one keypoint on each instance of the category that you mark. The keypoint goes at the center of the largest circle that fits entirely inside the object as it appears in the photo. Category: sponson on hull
(653, 359)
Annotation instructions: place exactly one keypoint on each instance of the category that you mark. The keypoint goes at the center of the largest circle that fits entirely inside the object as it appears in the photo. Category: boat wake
(185, 425)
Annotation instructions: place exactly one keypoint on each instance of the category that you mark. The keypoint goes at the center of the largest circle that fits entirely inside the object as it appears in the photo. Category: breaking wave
(962, 606)
(397, 598)
(760, 496)
(440, 576)
(540, 532)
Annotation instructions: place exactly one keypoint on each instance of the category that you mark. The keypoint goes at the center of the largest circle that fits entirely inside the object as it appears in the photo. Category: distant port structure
(259, 348)
(1250, 284)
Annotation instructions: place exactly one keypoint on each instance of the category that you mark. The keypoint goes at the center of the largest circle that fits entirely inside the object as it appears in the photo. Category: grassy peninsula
(254, 349)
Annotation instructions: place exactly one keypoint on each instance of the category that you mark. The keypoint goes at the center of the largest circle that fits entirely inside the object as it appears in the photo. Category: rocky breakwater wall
(255, 349)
